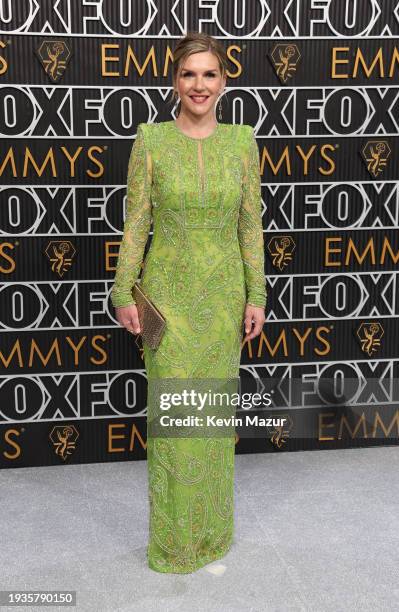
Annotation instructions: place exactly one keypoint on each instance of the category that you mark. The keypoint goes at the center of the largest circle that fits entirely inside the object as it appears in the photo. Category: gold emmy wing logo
(54, 55)
(285, 58)
(280, 433)
(370, 335)
(375, 153)
(64, 439)
(60, 253)
(281, 249)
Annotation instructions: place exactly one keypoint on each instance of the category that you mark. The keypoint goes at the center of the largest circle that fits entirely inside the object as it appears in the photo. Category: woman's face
(199, 83)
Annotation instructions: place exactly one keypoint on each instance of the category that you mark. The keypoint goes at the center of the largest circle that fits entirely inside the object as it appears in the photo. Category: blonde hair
(196, 42)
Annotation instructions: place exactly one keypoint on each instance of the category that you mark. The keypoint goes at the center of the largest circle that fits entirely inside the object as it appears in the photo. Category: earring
(220, 109)
(175, 97)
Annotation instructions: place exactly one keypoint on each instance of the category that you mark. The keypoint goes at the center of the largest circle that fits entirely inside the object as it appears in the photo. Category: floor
(315, 531)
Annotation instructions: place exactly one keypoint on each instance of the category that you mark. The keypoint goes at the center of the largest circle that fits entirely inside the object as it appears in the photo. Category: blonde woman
(197, 180)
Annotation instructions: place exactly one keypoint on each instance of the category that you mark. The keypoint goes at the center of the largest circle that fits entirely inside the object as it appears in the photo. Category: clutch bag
(152, 322)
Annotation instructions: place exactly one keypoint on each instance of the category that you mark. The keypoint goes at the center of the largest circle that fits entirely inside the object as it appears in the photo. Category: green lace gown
(205, 262)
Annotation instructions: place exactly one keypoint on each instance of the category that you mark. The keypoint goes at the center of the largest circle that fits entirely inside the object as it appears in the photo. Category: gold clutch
(152, 321)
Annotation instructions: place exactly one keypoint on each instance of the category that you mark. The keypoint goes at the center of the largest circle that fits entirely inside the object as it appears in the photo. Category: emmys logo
(284, 59)
(54, 56)
(64, 440)
(281, 433)
(60, 253)
(370, 335)
(376, 153)
(281, 249)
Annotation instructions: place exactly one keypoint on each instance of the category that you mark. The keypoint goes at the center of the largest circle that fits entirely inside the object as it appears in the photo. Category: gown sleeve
(137, 222)
(250, 228)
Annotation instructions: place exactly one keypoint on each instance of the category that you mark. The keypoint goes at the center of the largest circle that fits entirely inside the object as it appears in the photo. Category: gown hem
(201, 562)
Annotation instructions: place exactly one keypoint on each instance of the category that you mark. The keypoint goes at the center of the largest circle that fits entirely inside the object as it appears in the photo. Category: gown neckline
(192, 137)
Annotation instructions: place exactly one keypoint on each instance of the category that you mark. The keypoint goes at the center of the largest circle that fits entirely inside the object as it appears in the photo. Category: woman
(198, 181)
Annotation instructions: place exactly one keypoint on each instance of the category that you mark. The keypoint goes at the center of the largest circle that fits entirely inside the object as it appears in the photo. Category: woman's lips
(199, 99)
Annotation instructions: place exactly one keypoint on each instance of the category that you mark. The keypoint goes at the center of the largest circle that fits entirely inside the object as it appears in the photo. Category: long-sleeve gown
(205, 262)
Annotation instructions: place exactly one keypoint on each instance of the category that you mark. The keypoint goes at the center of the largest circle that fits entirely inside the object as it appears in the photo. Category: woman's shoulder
(242, 133)
(154, 127)
(146, 128)
(247, 130)
(238, 129)
(149, 133)
(152, 132)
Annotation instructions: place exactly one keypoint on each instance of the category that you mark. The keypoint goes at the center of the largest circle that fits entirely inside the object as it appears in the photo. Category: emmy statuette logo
(54, 56)
(370, 335)
(280, 433)
(281, 249)
(375, 153)
(285, 58)
(60, 254)
(63, 438)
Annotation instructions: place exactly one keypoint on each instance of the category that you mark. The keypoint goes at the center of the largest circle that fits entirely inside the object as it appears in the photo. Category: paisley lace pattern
(205, 262)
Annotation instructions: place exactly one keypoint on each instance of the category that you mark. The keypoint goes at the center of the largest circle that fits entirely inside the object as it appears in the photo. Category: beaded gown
(205, 262)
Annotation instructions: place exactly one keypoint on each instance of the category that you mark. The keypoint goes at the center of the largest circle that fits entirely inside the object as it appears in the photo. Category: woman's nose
(199, 86)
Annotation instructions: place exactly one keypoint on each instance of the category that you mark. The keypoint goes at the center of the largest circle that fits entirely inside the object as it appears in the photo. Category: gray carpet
(314, 530)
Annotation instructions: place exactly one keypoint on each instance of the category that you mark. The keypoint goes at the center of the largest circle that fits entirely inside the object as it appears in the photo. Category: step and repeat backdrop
(318, 81)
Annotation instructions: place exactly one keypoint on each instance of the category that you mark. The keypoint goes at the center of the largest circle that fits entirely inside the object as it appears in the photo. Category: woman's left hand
(254, 315)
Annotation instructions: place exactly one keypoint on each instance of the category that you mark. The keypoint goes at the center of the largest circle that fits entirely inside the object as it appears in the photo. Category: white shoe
(217, 569)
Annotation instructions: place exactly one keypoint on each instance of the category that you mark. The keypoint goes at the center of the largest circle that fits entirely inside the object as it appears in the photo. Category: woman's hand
(255, 315)
(128, 317)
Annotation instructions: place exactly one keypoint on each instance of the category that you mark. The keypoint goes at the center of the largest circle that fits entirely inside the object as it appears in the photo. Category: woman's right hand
(128, 317)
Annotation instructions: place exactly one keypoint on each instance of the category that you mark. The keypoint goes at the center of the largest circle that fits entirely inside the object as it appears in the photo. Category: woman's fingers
(133, 326)
(254, 331)
(128, 317)
(253, 322)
